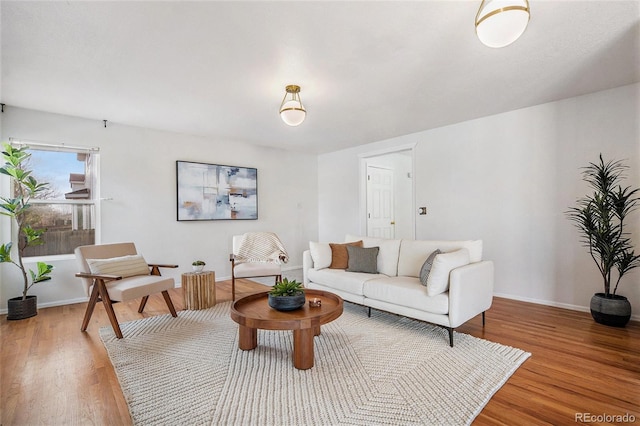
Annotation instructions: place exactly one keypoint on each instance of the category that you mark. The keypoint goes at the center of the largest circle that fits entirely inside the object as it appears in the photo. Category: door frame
(364, 158)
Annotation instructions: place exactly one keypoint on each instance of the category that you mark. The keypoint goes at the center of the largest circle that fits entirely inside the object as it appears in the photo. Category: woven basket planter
(21, 309)
(613, 311)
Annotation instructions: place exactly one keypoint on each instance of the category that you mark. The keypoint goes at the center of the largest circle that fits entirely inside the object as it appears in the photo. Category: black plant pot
(287, 303)
(21, 309)
(614, 311)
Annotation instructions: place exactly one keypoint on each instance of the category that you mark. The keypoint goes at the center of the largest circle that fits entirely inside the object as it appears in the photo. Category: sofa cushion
(339, 254)
(321, 254)
(426, 267)
(340, 279)
(388, 254)
(124, 266)
(363, 259)
(406, 291)
(443, 264)
(414, 252)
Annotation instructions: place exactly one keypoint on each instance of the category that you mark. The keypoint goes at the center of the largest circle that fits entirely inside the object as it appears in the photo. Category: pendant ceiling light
(291, 110)
(501, 22)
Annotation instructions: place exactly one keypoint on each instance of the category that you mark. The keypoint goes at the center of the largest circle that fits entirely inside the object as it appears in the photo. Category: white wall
(508, 179)
(138, 172)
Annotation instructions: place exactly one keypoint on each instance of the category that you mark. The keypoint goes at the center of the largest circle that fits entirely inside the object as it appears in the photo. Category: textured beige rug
(380, 370)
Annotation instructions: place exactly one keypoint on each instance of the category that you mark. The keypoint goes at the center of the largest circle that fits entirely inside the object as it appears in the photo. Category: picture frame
(215, 192)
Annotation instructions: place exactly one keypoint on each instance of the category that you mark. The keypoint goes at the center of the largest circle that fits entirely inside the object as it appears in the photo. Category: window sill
(54, 258)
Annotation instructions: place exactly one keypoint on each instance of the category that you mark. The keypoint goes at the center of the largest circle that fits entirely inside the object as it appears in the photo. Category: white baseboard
(52, 304)
(228, 277)
(554, 304)
(291, 268)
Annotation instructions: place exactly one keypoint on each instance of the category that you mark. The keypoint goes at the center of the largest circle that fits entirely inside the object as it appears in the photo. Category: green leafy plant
(198, 263)
(25, 187)
(600, 217)
(287, 288)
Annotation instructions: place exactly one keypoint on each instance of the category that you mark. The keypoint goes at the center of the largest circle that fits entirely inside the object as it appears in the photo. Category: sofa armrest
(307, 263)
(470, 291)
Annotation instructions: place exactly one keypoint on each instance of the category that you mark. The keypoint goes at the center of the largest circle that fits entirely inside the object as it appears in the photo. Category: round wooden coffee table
(253, 312)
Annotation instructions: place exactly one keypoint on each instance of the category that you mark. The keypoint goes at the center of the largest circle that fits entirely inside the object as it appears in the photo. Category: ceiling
(369, 70)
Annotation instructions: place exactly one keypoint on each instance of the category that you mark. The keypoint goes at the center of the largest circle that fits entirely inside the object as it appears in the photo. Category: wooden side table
(199, 290)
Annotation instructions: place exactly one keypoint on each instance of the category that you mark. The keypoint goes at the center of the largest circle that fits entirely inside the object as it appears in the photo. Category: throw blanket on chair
(261, 247)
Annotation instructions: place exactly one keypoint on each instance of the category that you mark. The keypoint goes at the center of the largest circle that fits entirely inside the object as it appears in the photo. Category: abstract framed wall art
(216, 192)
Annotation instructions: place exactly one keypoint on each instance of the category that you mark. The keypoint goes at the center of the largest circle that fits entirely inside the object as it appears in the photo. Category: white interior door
(380, 214)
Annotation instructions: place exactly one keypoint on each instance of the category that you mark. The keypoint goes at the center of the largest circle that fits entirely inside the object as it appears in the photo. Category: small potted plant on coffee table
(198, 265)
(287, 295)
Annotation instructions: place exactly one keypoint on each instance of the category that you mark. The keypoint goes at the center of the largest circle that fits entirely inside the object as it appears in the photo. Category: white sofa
(397, 288)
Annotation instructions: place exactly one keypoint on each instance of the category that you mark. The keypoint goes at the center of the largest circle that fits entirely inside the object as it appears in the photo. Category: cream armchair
(116, 273)
(254, 255)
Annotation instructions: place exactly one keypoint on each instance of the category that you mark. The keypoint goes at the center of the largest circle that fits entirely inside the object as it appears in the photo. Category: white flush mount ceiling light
(501, 22)
(291, 110)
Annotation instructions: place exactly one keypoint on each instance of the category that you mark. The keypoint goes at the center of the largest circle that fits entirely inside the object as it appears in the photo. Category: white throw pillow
(321, 254)
(443, 264)
(124, 266)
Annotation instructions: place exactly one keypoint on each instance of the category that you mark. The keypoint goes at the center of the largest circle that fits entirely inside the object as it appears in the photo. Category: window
(67, 209)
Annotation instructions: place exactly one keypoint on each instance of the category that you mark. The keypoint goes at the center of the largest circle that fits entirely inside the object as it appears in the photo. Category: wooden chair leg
(143, 303)
(167, 299)
(233, 287)
(90, 306)
(109, 308)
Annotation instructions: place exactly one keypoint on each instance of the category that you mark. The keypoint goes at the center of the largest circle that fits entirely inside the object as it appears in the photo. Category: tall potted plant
(16, 206)
(600, 217)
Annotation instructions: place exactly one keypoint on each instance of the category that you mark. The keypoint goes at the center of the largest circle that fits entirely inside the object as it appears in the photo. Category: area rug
(368, 371)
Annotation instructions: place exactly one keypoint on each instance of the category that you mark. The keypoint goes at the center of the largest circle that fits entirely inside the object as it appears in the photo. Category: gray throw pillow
(363, 259)
(426, 267)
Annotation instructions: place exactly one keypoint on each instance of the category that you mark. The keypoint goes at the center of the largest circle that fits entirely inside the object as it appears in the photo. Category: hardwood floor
(53, 374)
